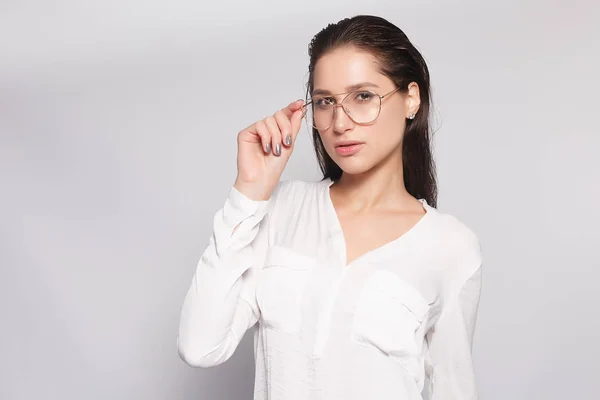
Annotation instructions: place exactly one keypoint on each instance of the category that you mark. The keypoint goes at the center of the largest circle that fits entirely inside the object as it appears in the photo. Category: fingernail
(288, 140)
(268, 146)
(278, 149)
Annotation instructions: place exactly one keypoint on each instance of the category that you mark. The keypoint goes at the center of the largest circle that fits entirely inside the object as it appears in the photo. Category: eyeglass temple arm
(388, 93)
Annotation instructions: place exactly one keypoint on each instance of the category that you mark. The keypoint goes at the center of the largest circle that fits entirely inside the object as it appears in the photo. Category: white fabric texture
(373, 329)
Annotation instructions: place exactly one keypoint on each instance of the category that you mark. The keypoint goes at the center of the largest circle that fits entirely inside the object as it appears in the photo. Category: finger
(249, 135)
(275, 134)
(265, 136)
(293, 106)
(285, 126)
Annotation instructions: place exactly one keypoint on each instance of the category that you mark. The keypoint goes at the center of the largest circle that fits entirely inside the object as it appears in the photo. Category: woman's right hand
(264, 149)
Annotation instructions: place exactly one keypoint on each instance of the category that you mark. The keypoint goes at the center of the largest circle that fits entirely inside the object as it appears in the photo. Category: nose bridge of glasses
(344, 107)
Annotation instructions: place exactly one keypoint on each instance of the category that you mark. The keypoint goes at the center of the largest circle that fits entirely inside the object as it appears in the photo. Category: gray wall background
(118, 122)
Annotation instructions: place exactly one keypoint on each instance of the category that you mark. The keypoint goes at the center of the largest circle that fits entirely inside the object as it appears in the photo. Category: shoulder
(294, 203)
(459, 243)
(295, 191)
(456, 233)
(298, 185)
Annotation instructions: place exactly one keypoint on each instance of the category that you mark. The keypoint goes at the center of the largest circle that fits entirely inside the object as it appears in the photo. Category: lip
(348, 147)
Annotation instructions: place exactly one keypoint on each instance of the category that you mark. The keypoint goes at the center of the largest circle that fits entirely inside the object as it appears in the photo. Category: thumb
(296, 121)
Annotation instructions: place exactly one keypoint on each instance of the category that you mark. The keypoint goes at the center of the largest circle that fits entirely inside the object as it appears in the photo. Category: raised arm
(220, 304)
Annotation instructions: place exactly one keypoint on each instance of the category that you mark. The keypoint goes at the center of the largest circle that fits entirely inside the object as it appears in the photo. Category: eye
(363, 96)
(324, 101)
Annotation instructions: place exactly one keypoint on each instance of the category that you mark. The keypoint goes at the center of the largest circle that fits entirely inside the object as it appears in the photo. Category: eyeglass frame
(340, 104)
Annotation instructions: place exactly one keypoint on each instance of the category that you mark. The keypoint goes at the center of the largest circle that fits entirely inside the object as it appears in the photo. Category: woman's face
(354, 147)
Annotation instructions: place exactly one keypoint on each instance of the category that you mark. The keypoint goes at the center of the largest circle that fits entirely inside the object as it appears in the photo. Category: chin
(352, 165)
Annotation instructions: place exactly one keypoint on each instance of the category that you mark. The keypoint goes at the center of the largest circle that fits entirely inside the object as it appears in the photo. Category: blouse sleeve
(449, 365)
(220, 304)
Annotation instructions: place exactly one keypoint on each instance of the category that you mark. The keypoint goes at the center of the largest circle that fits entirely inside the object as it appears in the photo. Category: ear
(413, 99)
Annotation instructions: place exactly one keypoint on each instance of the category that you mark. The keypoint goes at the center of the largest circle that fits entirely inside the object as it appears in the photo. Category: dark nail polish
(288, 140)
(278, 149)
(268, 146)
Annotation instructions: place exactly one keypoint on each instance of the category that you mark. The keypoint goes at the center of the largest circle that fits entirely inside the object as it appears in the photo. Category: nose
(341, 119)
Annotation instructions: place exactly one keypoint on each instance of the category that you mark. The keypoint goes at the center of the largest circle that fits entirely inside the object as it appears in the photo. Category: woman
(361, 288)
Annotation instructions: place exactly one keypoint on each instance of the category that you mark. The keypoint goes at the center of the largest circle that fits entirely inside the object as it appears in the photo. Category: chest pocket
(281, 287)
(388, 318)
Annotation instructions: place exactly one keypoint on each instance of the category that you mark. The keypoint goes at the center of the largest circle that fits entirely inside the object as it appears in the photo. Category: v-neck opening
(337, 232)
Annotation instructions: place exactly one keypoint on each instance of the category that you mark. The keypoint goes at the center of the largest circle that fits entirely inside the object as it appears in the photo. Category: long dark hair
(403, 64)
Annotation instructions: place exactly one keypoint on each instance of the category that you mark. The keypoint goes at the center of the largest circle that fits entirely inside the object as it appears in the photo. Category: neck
(380, 187)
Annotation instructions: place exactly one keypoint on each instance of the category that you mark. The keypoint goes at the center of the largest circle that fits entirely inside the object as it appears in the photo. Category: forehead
(346, 66)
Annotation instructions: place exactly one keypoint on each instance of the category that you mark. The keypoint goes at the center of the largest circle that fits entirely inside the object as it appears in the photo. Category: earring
(411, 116)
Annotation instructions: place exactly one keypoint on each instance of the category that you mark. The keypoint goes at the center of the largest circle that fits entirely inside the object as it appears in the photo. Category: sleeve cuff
(238, 207)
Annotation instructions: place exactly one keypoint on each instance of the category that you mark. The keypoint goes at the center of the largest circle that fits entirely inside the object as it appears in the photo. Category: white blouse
(373, 329)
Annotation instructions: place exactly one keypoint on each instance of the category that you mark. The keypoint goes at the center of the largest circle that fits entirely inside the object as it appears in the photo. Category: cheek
(388, 132)
(326, 138)
(393, 119)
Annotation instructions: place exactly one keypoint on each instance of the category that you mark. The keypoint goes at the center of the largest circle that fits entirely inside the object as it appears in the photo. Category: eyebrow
(348, 88)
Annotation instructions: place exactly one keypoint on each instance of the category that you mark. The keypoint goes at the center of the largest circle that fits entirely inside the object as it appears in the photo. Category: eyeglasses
(361, 106)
